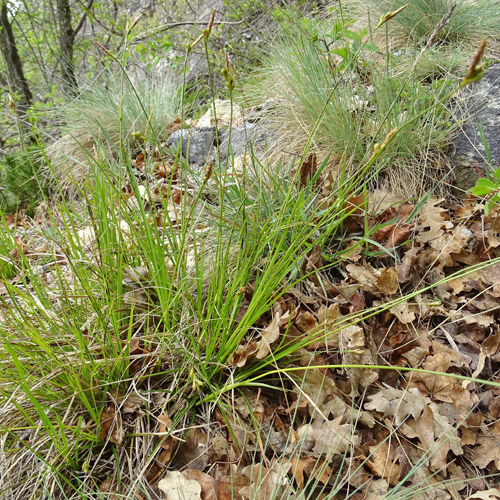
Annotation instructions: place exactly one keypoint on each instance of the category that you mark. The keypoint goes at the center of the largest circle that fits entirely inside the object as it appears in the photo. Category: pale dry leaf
(491, 494)
(398, 403)
(266, 482)
(324, 396)
(331, 437)
(440, 387)
(489, 448)
(270, 334)
(175, 486)
(438, 437)
(206, 482)
(404, 312)
(355, 351)
(376, 489)
(432, 219)
(365, 277)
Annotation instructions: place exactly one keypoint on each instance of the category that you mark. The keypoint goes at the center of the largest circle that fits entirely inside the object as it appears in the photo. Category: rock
(254, 134)
(201, 143)
(226, 113)
(467, 154)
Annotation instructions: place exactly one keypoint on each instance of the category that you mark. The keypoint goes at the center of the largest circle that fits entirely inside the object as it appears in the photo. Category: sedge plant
(152, 294)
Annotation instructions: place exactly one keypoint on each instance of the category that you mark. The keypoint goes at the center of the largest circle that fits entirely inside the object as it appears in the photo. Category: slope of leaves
(289, 414)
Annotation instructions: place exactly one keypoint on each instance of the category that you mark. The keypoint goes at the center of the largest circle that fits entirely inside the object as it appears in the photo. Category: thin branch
(82, 20)
(167, 27)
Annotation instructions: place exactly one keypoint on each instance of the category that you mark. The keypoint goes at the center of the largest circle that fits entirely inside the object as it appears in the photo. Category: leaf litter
(341, 431)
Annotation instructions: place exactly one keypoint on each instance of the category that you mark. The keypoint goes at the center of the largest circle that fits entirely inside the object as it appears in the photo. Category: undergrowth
(186, 309)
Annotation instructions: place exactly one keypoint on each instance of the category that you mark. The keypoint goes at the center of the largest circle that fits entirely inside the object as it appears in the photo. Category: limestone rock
(249, 136)
(198, 144)
(467, 153)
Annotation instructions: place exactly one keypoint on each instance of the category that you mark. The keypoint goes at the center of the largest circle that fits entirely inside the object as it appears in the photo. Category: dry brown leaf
(491, 494)
(489, 447)
(406, 269)
(112, 425)
(325, 399)
(243, 353)
(398, 403)
(383, 463)
(404, 312)
(376, 490)
(331, 437)
(193, 452)
(206, 482)
(310, 467)
(229, 487)
(266, 482)
(169, 444)
(355, 351)
(387, 280)
(324, 328)
(438, 437)
(109, 485)
(446, 389)
(433, 220)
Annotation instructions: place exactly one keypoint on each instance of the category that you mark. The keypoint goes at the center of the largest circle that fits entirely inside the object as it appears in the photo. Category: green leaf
(342, 52)
(372, 47)
(352, 35)
(496, 175)
(483, 186)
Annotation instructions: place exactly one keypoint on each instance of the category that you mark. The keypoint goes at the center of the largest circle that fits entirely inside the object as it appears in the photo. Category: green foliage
(22, 184)
(8, 268)
(486, 187)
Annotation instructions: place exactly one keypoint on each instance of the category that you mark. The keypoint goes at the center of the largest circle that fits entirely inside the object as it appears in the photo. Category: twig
(166, 27)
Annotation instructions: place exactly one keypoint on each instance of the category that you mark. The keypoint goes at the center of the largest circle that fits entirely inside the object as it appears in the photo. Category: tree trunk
(66, 41)
(15, 75)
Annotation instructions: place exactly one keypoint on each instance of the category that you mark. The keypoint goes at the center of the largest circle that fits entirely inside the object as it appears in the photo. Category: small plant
(488, 187)
(22, 182)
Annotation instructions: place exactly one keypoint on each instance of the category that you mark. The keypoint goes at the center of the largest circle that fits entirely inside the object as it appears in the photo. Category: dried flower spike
(476, 69)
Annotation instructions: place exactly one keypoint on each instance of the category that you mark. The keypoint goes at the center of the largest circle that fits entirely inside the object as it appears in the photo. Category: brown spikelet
(476, 70)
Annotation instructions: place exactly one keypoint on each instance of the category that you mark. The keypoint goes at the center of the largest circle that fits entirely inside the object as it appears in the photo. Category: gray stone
(198, 144)
(249, 136)
(467, 153)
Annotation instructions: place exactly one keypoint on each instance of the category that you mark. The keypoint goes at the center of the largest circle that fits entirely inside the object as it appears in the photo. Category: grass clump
(109, 116)
(330, 87)
(471, 20)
